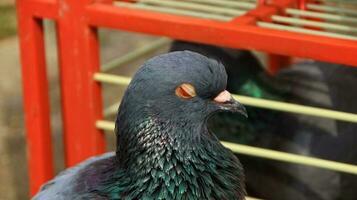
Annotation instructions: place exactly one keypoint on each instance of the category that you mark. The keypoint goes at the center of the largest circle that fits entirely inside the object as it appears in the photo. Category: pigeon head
(161, 128)
(180, 86)
(172, 96)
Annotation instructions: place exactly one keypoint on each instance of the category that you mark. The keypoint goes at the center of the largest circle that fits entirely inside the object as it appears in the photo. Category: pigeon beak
(227, 103)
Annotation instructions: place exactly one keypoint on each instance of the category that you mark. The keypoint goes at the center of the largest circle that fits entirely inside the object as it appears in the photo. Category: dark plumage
(324, 85)
(164, 149)
(309, 83)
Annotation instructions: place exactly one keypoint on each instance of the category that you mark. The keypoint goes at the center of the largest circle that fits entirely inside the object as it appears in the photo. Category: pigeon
(324, 85)
(311, 83)
(164, 147)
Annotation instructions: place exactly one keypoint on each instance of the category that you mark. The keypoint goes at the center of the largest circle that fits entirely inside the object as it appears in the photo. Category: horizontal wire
(339, 2)
(180, 8)
(291, 158)
(111, 110)
(296, 108)
(256, 102)
(195, 6)
(251, 198)
(306, 31)
(137, 53)
(326, 16)
(105, 125)
(333, 9)
(113, 79)
(175, 11)
(212, 12)
(268, 154)
(305, 22)
(238, 4)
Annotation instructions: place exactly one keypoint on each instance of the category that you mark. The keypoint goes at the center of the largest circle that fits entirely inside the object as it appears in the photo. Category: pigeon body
(164, 148)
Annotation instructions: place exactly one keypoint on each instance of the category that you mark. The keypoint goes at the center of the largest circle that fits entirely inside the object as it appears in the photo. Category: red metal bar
(36, 101)
(302, 4)
(224, 34)
(81, 95)
(282, 4)
(261, 2)
(41, 8)
(104, 1)
(263, 13)
(277, 62)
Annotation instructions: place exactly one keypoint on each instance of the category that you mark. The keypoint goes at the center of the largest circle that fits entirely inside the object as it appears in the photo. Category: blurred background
(13, 173)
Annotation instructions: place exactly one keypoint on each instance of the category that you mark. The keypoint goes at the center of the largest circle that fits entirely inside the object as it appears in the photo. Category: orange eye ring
(185, 91)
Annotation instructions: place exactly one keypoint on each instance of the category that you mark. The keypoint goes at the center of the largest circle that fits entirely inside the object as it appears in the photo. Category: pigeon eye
(185, 91)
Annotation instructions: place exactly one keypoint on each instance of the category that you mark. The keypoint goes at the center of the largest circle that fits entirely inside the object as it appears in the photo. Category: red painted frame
(77, 22)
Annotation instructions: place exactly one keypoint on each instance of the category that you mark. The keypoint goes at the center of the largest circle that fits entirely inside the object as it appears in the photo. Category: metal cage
(314, 30)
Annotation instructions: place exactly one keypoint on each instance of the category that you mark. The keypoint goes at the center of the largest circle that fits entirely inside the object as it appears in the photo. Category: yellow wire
(136, 54)
(250, 101)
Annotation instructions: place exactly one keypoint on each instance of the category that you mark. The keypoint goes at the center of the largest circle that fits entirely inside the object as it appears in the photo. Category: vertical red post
(302, 4)
(36, 100)
(261, 2)
(81, 95)
(277, 62)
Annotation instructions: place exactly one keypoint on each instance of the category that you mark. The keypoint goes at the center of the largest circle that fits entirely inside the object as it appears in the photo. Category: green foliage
(7, 21)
